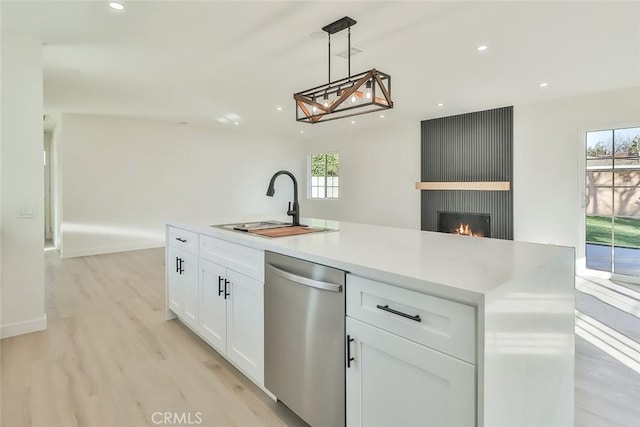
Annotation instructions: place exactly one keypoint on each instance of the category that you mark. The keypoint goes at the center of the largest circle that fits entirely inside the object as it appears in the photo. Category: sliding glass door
(613, 201)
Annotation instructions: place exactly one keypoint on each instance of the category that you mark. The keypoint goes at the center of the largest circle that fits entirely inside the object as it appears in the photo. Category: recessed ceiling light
(301, 131)
(382, 116)
(482, 47)
(236, 123)
(440, 105)
(279, 108)
(116, 6)
(544, 84)
(353, 122)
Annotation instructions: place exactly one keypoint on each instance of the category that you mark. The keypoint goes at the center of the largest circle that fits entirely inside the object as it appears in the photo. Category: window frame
(310, 177)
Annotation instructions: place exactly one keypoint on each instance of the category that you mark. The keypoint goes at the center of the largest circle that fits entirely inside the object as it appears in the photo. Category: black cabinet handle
(181, 240)
(226, 294)
(399, 313)
(349, 358)
(177, 265)
(181, 266)
(220, 278)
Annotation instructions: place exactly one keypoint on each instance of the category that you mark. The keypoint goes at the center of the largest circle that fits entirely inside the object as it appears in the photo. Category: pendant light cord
(349, 51)
(329, 75)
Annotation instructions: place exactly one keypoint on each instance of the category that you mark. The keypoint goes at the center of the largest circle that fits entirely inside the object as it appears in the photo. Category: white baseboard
(110, 249)
(25, 327)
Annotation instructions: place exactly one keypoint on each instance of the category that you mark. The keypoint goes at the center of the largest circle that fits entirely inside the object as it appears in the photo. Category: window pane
(333, 165)
(318, 165)
(599, 144)
(314, 192)
(320, 192)
(626, 143)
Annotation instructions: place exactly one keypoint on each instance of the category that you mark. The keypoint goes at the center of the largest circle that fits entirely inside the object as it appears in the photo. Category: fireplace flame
(465, 230)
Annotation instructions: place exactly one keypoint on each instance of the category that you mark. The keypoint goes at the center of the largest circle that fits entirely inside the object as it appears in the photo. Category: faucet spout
(294, 211)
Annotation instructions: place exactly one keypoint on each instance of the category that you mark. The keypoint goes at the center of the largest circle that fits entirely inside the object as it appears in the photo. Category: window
(324, 176)
(613, 201)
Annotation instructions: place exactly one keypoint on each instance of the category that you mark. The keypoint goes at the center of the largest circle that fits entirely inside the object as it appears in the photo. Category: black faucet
(295, 212)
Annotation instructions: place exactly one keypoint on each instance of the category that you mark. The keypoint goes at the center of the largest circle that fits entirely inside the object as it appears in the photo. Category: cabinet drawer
(242, 259)
(186, 240)
(441, 324)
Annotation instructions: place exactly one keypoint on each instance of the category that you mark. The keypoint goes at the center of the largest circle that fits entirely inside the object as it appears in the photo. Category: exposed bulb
(368, 94)
(353, 99)
(314, 109)
(326, 104)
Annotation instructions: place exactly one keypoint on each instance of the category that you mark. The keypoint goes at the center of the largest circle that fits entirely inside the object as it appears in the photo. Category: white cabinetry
(217, 289)
(213, 305)
(182, 275)
(232, 320)
(413, 358)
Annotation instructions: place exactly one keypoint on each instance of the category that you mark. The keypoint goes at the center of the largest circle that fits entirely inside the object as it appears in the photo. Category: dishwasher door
(304, 316)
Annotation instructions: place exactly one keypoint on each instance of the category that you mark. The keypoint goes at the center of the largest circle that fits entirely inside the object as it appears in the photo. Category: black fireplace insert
(465, 223)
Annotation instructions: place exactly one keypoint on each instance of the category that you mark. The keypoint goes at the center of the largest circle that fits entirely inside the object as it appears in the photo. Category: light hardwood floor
(608, 391)
(109, 359)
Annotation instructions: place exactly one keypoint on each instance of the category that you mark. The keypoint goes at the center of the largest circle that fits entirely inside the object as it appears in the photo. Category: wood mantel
(478, 185)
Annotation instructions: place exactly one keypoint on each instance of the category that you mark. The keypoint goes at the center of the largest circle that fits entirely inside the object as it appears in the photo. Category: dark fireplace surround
(472, 147)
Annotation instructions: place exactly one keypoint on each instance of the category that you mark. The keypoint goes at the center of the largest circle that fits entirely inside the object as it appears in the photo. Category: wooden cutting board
(286, 231)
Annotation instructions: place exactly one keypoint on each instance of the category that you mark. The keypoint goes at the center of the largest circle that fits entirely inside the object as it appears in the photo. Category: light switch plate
(27, 211)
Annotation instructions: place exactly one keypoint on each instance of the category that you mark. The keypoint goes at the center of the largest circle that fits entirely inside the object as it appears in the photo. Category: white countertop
(457, 267)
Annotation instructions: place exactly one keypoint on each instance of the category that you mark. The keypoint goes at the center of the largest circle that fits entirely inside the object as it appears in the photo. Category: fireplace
(465, 223)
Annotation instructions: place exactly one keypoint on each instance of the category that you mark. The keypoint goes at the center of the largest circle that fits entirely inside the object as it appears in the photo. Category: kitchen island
(517, 343)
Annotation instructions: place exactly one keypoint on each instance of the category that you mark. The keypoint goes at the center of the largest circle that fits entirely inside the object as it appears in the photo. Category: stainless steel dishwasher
(304, 342)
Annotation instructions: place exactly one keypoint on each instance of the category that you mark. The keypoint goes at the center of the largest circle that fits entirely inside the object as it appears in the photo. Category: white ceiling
(194, 62)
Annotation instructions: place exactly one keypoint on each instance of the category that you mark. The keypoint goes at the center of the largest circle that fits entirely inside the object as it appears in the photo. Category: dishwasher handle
(305, 280)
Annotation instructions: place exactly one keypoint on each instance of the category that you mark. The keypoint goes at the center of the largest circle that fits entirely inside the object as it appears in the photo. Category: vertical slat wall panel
(469, 147)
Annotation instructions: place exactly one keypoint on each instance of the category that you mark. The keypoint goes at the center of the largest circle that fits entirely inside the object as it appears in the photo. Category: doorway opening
(612, 234)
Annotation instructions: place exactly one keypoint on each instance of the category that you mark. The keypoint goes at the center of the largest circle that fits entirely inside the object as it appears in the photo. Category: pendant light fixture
(353, 95)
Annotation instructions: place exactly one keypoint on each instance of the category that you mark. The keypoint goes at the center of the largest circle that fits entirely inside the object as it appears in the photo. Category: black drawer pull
(399, 313)
(220, 279)
(181, 240)
(226, 294)
(349, 358)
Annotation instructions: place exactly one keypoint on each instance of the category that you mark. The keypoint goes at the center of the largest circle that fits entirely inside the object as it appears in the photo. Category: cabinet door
(245, 324)
(213, 312)
(397, 382)
(176, 280)
(190, 296)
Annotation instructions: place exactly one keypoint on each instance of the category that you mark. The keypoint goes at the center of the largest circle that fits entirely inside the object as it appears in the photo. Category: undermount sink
(272, 228)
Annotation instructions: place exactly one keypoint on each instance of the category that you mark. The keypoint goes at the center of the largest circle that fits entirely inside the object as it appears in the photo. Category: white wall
(123, 179)
(47, 186)
(549, 165)
(378, 171)
(56, 185)
(22, 182)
